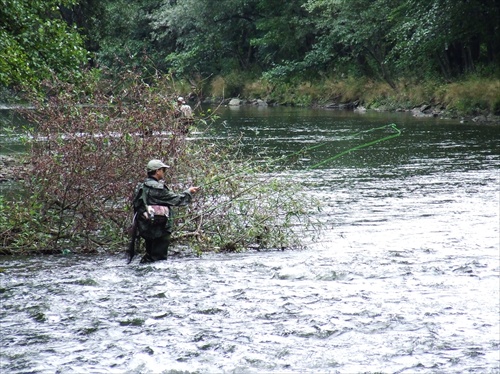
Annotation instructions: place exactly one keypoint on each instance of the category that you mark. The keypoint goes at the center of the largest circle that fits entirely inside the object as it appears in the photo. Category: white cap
(181, 99)
(155, 165)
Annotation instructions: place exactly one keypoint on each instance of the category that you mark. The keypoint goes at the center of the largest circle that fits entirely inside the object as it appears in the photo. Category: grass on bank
(470, 96)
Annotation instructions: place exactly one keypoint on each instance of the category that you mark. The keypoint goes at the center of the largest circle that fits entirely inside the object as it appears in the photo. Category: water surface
(405, 279)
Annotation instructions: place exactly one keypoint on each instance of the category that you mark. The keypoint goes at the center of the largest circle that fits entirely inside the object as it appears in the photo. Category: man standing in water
(153, 214)
(183, 109)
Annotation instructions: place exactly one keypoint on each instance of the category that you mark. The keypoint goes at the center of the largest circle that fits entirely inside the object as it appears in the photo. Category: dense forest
(278, 42)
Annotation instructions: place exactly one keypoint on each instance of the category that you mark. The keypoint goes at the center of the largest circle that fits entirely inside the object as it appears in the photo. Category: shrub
(88, 150)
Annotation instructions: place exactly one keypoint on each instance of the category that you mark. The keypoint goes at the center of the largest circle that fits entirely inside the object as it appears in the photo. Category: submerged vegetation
(88, 150)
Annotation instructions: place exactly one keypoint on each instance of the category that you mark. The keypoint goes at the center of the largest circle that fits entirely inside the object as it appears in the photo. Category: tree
(89, 17)
(451, 37)
(387, 38)
(35, 42)
(125, 36)
(210, 37)
(354, 33)
(284, 32)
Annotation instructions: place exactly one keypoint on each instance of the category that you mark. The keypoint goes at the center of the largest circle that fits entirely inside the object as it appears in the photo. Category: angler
(153, 215)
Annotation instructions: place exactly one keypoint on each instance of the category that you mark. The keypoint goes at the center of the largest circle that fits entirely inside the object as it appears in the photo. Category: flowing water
(405, 279)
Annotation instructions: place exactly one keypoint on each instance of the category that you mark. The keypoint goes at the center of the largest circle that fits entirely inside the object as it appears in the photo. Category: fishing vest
(152, 220)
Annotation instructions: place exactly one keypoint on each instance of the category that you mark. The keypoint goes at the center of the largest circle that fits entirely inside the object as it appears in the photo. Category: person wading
(184, 110)
(153, 214)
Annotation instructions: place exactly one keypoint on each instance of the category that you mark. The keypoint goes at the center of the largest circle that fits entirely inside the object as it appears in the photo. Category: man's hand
(193, 189)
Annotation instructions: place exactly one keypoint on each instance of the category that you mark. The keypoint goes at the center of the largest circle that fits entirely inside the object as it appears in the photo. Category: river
(404, 279)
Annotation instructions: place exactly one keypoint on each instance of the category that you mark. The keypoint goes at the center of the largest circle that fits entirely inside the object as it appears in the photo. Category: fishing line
(392, 126)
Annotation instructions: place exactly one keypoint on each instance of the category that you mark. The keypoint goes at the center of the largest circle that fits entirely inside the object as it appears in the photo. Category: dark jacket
(156, 193)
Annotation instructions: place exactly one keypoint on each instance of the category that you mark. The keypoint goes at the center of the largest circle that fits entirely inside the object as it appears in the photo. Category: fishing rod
(306, 150)
(252, 168)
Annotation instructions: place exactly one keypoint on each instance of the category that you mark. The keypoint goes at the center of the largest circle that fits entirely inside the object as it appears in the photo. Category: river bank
(471, 98)
(420, 111)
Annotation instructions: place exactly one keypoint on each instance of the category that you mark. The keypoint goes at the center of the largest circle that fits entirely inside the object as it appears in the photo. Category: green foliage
(208, 37)
(389, 39)
(36, 43)
(496, 108)
(211, 38)
(448, 35)
(125, 36)
(355, 32)
(249, 204)
(472, 96)
(284, 32)
(234, 83)
(471, 106)
(22, 226)
(283, 42)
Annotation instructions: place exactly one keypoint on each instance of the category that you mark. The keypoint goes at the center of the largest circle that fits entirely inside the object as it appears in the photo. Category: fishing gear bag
(148, 216)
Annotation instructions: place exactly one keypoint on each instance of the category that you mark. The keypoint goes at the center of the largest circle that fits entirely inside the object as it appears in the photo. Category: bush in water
(88, 149)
